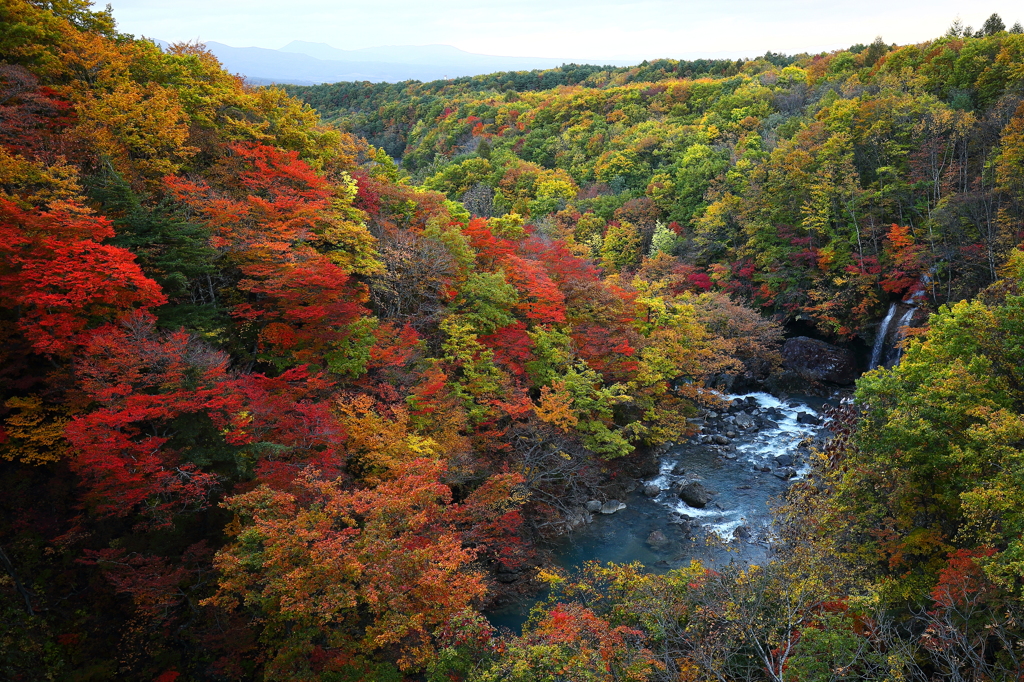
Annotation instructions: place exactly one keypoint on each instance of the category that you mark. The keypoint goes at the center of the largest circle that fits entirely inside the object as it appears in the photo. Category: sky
(580, 29)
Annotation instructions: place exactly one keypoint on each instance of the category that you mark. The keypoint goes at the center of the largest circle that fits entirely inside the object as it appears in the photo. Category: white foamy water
(883, 329)
(783, 439)
(754, 450)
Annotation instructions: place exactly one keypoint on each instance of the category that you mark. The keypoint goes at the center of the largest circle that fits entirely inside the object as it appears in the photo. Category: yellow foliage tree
(378, 445)
(35, 432)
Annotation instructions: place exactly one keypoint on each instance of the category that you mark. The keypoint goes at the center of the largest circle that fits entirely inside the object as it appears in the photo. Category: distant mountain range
(304, 63)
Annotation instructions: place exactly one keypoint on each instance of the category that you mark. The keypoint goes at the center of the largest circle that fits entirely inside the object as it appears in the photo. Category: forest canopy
(781, 176)
(296, 393)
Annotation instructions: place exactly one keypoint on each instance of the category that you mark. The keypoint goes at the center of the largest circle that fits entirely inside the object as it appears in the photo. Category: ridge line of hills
(307, 63)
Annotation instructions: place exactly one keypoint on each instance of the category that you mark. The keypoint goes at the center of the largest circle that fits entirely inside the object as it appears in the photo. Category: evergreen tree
(993, 25)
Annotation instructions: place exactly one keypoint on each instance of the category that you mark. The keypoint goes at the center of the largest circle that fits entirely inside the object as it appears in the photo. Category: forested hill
(272, 408)
(365, 102)
(270, 411)
(336, 100)
(817, 186)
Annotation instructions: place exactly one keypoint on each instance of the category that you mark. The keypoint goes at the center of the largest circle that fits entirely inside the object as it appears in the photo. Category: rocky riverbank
(707, 498)
(721, 480)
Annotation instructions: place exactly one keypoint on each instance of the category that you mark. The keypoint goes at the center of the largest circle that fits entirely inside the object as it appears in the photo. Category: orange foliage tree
(334, 575)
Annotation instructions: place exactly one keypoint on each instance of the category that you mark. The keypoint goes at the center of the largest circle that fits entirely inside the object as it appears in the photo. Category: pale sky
(581, 29)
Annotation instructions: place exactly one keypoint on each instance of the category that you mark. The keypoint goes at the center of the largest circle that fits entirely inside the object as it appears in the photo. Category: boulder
(652, 490)
(725, 382)
(612, 506)
(681, 520)
(594, 506)
(741, 533)
(579, 517)
(785, 473)
(504, 574)
(678, 469)
(806, 418)
(744, 420)
(784, 460)
(657, 540)
(695, 495)
(818, 361)
(720, 439)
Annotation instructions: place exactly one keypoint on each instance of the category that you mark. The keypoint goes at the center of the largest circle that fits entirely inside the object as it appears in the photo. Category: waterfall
(883, 331)
(901, 332)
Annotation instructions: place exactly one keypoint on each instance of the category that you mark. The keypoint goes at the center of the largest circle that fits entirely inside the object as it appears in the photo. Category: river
(741, 474)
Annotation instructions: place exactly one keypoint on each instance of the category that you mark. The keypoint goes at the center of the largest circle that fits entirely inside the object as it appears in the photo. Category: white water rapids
(751, 451)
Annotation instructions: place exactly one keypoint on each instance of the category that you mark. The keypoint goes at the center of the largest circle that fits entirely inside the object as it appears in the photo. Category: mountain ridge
(306, 63)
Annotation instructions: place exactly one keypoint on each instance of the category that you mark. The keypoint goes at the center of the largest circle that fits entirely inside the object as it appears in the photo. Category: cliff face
(816, 361)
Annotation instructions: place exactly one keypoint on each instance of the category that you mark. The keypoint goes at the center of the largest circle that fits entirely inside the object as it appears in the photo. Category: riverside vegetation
(278, 407)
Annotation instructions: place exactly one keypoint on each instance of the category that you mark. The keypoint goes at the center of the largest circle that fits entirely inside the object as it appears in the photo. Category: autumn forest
(303, 382)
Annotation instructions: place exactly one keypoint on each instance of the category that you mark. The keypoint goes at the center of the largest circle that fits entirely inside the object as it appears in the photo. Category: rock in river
(657, 540)
(594, 506)
(695, 495)
(652, 490)
(579, 517)
(744, 420)
(612, 506)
